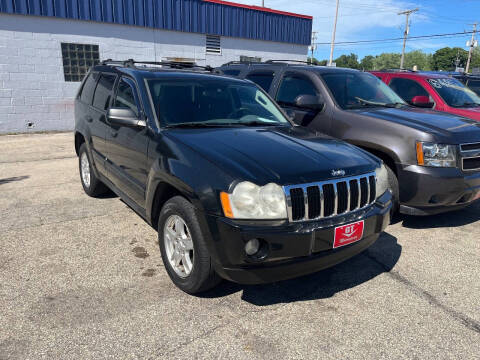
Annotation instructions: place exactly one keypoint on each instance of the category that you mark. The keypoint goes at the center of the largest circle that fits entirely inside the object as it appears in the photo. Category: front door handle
(114, 134)
(89, 119)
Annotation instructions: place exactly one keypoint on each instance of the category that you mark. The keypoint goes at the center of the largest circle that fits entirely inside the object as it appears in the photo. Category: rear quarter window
(86, 95)
(103, 93)
(231, 72)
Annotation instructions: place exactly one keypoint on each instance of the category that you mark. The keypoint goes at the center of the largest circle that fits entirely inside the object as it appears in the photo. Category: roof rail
(238, 62)
(288, 61)
(396, 70)
(172, 64)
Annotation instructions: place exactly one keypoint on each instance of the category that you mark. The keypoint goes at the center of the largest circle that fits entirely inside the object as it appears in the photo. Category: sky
(374, 19)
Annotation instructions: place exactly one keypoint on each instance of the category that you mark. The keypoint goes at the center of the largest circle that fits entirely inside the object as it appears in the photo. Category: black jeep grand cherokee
(235, 190)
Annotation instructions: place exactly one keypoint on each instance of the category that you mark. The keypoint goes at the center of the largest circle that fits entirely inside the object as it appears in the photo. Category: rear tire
(393, 185)
(183, 248)
(91, 184)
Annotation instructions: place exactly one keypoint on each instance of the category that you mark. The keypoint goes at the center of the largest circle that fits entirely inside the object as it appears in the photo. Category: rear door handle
(114, 134)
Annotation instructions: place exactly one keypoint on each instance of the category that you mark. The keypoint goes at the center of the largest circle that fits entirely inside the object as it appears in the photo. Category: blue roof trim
(195, 16)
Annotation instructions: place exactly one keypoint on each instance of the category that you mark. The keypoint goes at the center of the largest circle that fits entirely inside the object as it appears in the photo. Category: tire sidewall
(88, 189)
(181, 207)
(394, 187)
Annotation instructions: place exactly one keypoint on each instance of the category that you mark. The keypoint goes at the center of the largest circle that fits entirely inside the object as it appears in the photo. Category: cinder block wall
(33, 93)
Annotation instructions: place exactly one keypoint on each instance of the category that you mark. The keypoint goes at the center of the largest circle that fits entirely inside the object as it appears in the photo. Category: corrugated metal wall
(182, 15)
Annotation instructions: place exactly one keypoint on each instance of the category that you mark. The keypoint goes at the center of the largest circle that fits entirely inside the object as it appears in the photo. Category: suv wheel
(393, 184)
(91, 184)
(183, 247)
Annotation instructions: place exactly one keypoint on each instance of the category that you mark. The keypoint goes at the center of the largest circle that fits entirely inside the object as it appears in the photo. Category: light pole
(405, 34)
(330, 62)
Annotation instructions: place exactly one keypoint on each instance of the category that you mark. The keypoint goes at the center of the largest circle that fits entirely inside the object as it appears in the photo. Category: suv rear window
(103, 93)
(89, 88)
(263, 79)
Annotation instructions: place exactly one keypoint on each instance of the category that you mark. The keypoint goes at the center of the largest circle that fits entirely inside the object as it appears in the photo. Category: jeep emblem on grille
(338, 172)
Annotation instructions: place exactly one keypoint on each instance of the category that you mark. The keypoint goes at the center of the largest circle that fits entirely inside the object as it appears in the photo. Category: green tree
(348, 61)
(444, 59)
(317, 62)
(418, 58)
(387, 61)
(367, 63)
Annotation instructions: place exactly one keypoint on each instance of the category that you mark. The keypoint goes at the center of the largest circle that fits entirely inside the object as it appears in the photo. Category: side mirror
(124, 117)
(421, 101)
(310, 102)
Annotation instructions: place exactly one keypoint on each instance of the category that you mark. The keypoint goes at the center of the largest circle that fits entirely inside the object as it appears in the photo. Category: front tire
(183, 249)
(393, 185)
(91, 184)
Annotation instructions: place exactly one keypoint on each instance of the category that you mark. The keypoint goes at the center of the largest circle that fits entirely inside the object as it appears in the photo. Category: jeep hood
(447, 127)
(285, 155)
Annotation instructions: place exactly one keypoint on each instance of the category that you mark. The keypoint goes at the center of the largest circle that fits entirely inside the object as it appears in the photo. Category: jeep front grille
(330, 198)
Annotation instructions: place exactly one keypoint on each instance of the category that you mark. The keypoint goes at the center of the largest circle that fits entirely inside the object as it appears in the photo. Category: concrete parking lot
(83, 278)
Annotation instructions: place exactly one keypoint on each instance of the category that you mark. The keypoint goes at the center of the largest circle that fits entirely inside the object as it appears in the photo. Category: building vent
(77, 59)
(213, 45)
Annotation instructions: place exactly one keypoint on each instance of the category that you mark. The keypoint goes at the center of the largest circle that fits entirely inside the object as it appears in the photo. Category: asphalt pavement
(82, 278)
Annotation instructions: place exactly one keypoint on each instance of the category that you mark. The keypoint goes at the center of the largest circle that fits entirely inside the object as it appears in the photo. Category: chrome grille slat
(335, 199)
(298, 205)
(305, 198)
(322, 202)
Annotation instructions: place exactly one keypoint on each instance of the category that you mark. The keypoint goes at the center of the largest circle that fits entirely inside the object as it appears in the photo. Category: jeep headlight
(250, 201)
(382, 181)
(436, 155)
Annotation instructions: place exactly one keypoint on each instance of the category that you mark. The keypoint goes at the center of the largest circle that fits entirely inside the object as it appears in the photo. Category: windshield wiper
(395, 105)
(258, 123)
(195, 125)
(467, 104)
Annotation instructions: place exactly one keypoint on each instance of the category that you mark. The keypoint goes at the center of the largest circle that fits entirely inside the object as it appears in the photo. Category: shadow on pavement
(465, 216)
(379, 258)
(13, 179)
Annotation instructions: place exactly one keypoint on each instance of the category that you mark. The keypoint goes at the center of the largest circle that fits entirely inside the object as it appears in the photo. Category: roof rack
(397, 70)
(130, 63)
(288, 61)
(238, 62)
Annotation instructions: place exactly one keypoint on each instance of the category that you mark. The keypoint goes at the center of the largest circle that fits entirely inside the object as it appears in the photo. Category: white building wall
(33, 93)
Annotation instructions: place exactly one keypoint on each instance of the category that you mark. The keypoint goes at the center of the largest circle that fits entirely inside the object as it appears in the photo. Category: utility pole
(330, 63)
(263, 3)
(313, 46)
(472, 45)
(405, 34)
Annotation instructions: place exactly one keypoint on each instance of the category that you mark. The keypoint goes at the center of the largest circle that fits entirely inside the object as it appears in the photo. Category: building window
(250, 59)
(77, 59)
(212, 44)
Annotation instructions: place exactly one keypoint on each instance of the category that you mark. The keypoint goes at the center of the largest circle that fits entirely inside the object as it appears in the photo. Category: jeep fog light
(252, 247)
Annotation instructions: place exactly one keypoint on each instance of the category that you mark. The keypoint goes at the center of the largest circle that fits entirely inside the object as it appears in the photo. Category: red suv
(432, 90)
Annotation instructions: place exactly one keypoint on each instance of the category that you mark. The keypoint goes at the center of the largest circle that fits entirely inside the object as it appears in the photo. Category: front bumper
(429, 190)
(292, 249)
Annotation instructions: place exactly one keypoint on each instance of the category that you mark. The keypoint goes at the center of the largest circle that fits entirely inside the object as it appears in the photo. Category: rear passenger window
(263, 79)
(125, 98)
(89, 88)
(292, 86)
(103, 92)
(407, 89)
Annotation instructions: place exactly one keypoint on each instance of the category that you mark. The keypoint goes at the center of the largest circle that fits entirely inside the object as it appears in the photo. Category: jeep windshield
(455, 93)
(187, 103)
(356, 90)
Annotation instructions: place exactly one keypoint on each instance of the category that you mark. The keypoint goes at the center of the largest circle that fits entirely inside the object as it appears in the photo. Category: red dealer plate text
(348, 234)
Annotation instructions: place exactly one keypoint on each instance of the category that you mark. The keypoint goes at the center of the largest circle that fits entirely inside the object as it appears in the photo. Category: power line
(396, 39)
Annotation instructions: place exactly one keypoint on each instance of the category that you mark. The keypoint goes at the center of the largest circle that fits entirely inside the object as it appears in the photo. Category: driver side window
(407, 89)
(292, 86)
(125, 98)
